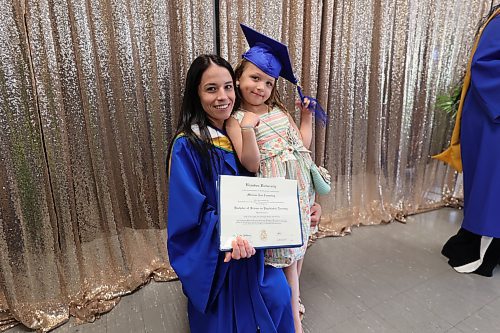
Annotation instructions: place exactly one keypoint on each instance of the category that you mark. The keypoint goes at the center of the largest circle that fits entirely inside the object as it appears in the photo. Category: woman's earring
(237, 84)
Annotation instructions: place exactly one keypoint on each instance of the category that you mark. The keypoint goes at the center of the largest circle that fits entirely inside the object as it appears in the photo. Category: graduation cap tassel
(315, 107)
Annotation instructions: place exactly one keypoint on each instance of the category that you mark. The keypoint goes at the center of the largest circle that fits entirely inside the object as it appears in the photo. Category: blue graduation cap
(269, 55)
(272, 57)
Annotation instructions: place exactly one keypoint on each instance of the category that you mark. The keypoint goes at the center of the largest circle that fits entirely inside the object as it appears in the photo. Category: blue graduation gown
(480, 137)
(238, 296)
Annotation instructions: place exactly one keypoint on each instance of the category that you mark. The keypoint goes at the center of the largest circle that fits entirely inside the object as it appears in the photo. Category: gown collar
(219, 138)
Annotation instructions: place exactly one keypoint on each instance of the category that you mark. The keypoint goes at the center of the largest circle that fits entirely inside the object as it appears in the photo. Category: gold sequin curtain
(88, 93)
(376, 66)
(88, 96)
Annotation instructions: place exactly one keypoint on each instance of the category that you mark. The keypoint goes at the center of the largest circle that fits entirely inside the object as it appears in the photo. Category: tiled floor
(388, 278)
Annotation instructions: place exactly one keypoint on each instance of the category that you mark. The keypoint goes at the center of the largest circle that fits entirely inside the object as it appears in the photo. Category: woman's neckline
(218, 130)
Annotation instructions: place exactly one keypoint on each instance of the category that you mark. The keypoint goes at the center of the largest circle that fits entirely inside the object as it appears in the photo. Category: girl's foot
(302, 309)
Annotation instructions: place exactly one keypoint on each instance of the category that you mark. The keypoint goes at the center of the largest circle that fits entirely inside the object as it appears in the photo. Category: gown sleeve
(193, 240)
(485, 70)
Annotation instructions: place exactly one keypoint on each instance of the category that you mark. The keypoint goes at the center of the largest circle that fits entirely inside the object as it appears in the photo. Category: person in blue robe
(476, 247)
(227, 292)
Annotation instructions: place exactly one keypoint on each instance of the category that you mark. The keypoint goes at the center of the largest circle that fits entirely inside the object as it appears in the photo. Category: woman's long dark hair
(192, 112)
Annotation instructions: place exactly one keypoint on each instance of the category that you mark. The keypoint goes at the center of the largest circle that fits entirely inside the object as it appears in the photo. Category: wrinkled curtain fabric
(89, 93)
(376, 67)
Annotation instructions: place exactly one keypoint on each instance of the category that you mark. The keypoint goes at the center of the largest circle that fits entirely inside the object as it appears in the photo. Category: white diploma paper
(265, 211)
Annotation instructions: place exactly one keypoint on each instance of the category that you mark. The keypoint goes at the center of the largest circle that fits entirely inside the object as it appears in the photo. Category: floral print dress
(282, 154)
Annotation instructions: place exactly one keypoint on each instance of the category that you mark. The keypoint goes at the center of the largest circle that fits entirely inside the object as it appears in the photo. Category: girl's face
(216, 94)
(255, 85)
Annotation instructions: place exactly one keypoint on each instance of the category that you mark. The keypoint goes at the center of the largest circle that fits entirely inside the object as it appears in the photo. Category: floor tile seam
(345, 319)
(453, 292)
(162, 310)
(350, 291)
(360, 269)
(400, 293)
(139, 304)
(380, 317)
(380, 301)
(463, 319)
(435, 277)
(327, 329)
(398, 330)
(434, 272)
(142, 302)
(437, 314)
(351, 312)
(384, 300)
(484, 305)
(462, 322)
(439, 277)
(183, 318)
(413, 286)
(493, 300)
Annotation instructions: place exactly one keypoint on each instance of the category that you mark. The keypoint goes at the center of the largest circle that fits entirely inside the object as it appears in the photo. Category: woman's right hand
(241, 249)
(250, 119)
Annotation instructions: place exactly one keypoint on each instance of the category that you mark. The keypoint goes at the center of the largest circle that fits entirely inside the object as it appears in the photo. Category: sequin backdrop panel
(96, 197)
(27, 242)
(384, 75)
(107, 77)
(376, 67)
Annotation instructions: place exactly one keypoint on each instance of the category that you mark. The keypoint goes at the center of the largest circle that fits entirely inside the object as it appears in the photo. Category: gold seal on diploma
(263, 235)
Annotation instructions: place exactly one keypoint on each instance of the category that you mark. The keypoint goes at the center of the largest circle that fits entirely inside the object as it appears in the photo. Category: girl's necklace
(259, 114)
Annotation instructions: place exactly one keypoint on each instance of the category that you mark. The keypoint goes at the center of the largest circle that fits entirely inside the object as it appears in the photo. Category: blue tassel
(315, 107)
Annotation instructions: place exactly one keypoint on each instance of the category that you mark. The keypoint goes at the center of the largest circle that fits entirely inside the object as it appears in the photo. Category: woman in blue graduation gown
(227, 292)
(476, 247)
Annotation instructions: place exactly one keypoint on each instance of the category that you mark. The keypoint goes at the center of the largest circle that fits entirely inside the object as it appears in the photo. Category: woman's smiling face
(217, 94)
(255, 85)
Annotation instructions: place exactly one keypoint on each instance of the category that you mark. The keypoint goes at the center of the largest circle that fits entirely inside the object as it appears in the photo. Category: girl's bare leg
(293, 280)
(299, 269)
(299, 266)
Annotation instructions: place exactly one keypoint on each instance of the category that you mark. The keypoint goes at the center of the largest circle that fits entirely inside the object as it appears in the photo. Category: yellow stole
(452, 155)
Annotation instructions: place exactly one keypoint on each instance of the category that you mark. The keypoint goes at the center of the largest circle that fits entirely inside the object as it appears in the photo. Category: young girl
(269, 143)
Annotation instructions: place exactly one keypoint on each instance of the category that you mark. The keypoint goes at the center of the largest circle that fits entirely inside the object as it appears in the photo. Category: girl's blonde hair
(272, 101)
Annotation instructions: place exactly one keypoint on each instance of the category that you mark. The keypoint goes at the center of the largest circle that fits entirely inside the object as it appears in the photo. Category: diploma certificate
(265, 211)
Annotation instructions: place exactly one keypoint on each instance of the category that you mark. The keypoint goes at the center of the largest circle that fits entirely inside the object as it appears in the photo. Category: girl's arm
(305, 122)
(244, 142)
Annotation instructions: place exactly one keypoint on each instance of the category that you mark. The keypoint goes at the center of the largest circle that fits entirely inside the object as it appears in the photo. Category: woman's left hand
(241, 249)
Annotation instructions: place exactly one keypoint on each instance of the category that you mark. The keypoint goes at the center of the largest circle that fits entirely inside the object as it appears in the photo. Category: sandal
(302, 309)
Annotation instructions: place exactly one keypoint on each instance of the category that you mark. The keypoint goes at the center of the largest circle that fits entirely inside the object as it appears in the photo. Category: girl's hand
(241, 249)
(250, 119)
(315, 214)
(304, 107)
